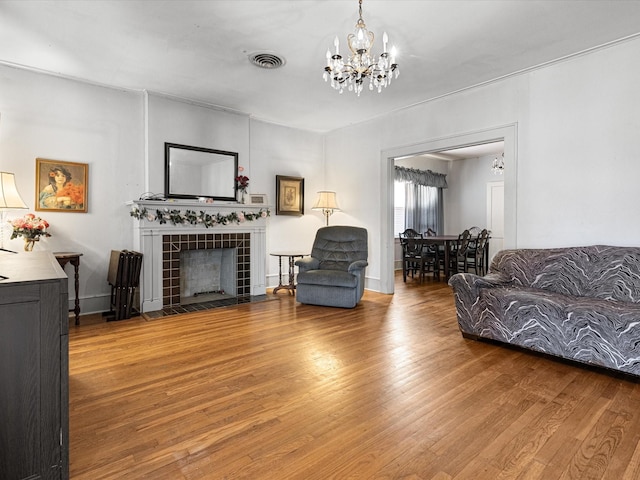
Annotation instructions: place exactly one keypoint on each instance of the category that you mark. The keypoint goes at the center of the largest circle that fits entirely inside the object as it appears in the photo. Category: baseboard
(90, 305)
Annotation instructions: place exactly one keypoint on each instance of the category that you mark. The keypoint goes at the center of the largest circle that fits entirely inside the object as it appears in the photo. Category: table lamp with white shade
(10, 199)
(326, 202)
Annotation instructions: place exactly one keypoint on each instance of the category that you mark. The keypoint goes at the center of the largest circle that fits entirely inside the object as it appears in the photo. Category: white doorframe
(507, 133)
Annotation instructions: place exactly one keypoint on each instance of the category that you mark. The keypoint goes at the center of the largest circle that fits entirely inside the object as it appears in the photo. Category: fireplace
(162, 244)
(199, 271)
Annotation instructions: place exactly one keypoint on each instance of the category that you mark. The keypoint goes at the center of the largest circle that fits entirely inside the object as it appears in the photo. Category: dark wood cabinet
(34, 411)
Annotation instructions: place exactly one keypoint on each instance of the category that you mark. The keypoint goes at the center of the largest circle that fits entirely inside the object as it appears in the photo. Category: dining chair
(458, 255)
(411, 252)
(477, 252)
(435, 254)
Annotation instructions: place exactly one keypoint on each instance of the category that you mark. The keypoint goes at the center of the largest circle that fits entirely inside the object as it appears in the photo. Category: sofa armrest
(466, 292)
(357, 265)
(472, 282)
(307, 263)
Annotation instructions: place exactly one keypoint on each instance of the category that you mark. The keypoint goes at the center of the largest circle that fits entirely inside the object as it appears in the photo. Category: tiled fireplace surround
(161, 245)
(173, 245)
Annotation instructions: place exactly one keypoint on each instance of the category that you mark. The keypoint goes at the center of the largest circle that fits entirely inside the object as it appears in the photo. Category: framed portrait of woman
(61, 186)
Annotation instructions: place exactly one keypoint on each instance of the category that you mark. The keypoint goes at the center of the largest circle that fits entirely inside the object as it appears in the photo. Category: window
(423, 210)
(418, 200)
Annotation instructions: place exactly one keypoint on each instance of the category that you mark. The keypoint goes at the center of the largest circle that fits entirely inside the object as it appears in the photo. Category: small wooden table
(74, 259)
(291, 286)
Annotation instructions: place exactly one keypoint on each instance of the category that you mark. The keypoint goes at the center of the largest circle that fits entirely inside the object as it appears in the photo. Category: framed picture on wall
(289, 195)
(61, 186)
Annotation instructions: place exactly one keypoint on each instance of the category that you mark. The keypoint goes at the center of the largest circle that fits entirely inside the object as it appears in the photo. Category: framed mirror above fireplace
(196, 172)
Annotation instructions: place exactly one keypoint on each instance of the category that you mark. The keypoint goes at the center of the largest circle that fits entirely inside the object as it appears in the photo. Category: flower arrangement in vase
(31, 228)
(242, 183)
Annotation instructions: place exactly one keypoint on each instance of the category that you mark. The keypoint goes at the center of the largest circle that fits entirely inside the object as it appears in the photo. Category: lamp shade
(326, 201)
(9, 196)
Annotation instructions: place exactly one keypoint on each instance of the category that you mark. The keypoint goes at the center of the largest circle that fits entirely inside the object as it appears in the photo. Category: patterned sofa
(579, 303)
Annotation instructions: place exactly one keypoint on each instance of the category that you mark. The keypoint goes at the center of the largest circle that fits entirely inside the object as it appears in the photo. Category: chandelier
(498, 165)
(361, 65)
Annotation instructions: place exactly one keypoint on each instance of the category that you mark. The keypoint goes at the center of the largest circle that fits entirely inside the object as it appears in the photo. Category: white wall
(466, 198)
(277, 150)
(580, 146)
(194, 125)
(573, 172)
(49, 117)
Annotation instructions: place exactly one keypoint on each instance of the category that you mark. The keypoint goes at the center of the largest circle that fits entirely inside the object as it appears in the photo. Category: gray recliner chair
(334, 274)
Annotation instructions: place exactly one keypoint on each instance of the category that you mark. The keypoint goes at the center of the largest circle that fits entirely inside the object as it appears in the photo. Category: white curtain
(423, 208)
(423, 199)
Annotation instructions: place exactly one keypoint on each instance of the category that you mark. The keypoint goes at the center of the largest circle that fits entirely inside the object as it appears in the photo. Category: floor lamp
(9, 199)
(326, 202)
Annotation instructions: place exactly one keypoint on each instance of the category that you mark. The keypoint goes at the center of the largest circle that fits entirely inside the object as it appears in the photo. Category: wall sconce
(9, 199)
(326, 202)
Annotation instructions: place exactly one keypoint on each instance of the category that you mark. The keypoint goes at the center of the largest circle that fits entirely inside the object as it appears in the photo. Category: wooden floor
(388, 390)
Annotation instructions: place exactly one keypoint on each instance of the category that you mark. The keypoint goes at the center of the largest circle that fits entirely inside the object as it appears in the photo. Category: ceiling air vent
(266, 60)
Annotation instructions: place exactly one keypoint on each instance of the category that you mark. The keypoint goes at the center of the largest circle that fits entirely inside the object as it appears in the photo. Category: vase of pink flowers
(31, 228)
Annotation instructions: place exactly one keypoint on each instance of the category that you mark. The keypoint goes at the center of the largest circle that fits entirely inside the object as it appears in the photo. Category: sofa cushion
(334, 278)
(586, 329)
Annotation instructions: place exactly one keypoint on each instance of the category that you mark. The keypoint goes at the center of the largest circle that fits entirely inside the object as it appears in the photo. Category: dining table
(446, 242)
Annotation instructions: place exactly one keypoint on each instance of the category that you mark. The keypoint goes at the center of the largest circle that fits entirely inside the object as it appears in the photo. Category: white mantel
(147, 239)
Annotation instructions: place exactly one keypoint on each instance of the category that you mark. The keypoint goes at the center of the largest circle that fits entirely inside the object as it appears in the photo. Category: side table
(291, 286)
(74, 259)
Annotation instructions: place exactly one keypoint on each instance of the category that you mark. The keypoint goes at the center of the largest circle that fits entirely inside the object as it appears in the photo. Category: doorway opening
(507, 135)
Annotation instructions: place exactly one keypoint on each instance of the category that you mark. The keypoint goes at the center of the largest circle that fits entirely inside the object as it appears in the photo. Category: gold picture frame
(61, 186)
(289, 195)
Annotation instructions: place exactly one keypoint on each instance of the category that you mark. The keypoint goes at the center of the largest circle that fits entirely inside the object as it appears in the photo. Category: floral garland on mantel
(190, 217)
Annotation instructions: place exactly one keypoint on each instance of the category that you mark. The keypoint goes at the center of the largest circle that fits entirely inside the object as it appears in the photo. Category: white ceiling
(198, 50)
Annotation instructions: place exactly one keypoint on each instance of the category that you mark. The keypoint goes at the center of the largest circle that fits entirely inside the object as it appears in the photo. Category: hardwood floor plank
(388, 390)
(632, 469)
